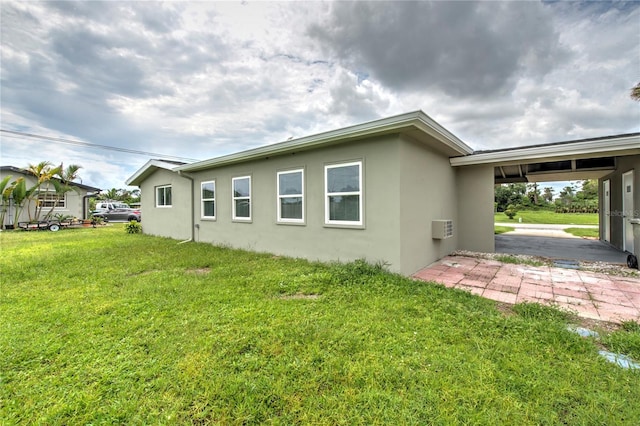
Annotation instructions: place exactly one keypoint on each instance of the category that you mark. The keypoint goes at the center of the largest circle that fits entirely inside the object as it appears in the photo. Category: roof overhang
(572, 160)
(148, 169)
(601, 147)
(416, 125)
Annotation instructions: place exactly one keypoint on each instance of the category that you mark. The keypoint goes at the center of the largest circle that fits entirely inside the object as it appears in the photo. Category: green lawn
(583, 232)
(549, 217)
(502, 229)
(101, 327)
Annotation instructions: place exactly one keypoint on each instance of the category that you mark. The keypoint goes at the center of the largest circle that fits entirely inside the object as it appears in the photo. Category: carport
(613, 160)
(560, 248)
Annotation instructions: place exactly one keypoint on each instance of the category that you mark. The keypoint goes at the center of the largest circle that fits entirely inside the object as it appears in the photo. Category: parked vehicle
(110, 205)
(122, 214)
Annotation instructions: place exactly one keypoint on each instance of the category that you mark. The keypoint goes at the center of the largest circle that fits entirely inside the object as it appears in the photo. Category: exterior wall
(174, 221)
(475, 192)
(377, 240)
(624, 164)
(427, 192)
(73, 207)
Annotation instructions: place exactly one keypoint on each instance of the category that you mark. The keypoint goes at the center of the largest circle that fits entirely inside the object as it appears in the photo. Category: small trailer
(56, 225)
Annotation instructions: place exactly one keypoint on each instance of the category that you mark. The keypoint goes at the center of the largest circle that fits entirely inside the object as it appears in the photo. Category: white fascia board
(143, 171)
(417, 119)
(606, 147)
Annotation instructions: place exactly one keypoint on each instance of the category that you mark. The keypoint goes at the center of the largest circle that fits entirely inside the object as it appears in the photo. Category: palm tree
(44, 172)
(635, 92)
(5, 194)
(61, 181)
(112, 194)
(20, 194)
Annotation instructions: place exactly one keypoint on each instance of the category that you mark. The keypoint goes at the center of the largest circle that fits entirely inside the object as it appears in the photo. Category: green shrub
(133, 227)
(511, 211)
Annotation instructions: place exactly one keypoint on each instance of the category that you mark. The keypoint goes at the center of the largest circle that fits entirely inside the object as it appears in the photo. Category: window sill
(241, 220)
(291, 223)
(344, 226)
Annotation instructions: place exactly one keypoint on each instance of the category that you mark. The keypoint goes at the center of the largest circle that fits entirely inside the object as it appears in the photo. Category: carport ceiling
(550, 171)
(570, 160)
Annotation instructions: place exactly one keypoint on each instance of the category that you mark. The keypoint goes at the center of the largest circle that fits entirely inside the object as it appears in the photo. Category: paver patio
(590, 295)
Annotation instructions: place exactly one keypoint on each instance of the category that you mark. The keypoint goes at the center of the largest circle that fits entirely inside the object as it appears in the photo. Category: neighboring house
(401, 190)
(73, 203)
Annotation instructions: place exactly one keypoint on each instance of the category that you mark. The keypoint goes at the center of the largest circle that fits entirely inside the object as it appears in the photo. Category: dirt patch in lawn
(300, 296)
(198, 271)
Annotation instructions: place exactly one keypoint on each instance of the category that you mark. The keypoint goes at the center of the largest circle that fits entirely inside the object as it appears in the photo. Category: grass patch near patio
(549, 217)
(506, 258)
(502, 229)
(626, 340)
(102, 327)
(584, 232)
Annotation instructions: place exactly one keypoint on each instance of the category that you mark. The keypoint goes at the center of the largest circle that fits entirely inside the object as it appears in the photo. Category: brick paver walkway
(589, 294)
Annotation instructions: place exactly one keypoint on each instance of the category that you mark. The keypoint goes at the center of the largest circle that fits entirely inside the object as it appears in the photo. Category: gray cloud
(461, 48)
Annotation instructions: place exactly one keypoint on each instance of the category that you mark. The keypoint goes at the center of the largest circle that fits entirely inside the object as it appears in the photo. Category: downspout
(193, 229)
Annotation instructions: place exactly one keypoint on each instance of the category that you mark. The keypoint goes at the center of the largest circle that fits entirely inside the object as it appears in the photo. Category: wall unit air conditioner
(441, 229)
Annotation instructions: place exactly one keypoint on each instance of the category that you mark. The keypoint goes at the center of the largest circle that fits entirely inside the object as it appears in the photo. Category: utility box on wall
(441, 229)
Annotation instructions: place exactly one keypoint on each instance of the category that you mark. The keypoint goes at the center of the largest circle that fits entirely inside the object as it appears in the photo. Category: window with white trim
(50, 199)
(241, 187)
(290, 187)
(343, 194)
(208, 199)
(163, 196)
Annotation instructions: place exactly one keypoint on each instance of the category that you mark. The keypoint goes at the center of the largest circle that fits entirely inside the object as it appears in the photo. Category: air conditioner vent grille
(441, 229)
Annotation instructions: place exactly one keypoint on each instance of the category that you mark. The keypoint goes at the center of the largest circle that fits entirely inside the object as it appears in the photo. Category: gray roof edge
(158, 164)
(417, 119)
(606, 144)
(573, 141)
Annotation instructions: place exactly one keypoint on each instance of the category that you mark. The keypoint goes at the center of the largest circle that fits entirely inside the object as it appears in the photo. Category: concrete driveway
(543, 230)
(559, 248)
(552, 242)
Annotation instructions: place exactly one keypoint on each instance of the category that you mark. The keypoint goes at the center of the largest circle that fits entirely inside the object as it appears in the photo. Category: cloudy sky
(199, 80)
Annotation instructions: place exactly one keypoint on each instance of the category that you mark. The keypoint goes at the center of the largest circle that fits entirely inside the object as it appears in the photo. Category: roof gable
(149, 168)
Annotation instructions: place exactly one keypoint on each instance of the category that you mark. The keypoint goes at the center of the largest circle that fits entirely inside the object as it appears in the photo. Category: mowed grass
(502, 229)
(584, 232)
(101, 327)
(549, 217)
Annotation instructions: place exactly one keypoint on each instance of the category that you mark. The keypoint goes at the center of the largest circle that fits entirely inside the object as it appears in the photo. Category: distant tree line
(529, 196)
(114, 194)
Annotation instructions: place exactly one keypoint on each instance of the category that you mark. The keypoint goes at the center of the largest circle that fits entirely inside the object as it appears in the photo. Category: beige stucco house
(72, 203)
(402, 190)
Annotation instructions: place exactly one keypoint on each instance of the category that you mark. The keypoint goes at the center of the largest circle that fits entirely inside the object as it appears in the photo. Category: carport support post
(476, 194)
